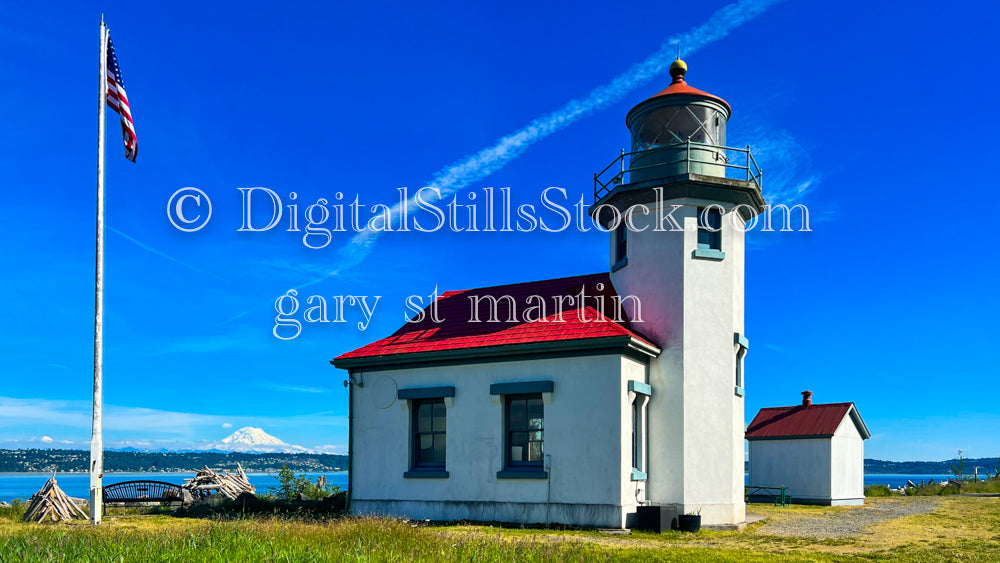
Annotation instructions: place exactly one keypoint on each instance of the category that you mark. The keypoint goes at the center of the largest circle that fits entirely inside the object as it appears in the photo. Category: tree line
(134, 461)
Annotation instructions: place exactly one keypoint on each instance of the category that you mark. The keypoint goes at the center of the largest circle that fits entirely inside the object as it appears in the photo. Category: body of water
(896, 480)
(23, 485)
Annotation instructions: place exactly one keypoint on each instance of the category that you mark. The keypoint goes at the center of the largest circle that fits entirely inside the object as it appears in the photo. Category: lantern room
(681, 130)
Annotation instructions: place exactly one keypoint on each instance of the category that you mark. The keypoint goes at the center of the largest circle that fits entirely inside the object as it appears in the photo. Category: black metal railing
(736, 163)
(142, 491)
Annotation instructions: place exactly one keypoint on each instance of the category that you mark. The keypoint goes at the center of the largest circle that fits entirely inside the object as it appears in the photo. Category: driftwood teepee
(51, 502)
(229, 485)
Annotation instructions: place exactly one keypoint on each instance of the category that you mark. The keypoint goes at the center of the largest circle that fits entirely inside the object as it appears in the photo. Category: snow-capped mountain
(250, 436)
(250, 439)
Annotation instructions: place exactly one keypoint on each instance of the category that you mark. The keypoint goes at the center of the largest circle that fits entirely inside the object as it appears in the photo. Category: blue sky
(870, 114)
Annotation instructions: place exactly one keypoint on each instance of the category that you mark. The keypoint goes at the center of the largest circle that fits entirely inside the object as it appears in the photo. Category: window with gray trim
(429, 431)
(640, 393)
(709, 228)
(524, 417)
(621, 241)
(739, 365)
(637, 431)
(741, 352)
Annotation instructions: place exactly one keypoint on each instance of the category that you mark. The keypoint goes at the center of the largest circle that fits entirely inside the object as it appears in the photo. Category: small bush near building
(299, 487)
(878, 491)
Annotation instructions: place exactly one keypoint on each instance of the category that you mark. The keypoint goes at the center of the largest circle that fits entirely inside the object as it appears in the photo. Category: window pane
(518, 446)
(636, 433)
(535, 436)
(517, 414)
(535, 451)
(424, 412)
(440, 424)
(425, 454)
(704, 239)
(714, 218)
(439, 444)
(535, 413)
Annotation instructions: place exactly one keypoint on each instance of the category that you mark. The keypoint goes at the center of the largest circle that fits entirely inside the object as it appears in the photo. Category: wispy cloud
(789, 175)
(294, 388)
(244, 339)
(481, 164)
(161, 254)
(74, 417)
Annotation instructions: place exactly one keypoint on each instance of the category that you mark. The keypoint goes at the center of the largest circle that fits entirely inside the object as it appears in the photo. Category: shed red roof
(800, 421)
(580, 321)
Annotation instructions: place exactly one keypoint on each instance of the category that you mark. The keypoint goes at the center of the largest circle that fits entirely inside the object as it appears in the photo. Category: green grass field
(960, 529)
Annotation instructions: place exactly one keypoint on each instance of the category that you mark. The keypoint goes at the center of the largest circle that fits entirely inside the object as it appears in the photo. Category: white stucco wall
(583, 435)
(633, 493)
(848, 465)
(691, 307)
(802, 465)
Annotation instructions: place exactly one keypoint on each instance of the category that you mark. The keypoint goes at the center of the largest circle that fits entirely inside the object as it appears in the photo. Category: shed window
(525, 418)
(710, 228)
(429, 433)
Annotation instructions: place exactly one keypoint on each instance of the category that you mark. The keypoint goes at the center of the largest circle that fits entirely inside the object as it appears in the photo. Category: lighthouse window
(621, 241)
(709, 228)
(525, 430)
(640, 393)
(429, 433)
(741, 351)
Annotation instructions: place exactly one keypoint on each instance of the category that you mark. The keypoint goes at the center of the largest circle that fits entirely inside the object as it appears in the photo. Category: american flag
(118, 101)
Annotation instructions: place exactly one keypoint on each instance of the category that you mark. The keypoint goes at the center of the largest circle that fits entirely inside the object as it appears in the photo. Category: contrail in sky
(487, 161)
(159, 253)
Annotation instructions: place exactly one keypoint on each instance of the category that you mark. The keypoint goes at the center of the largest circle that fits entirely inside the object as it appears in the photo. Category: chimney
(807, 398)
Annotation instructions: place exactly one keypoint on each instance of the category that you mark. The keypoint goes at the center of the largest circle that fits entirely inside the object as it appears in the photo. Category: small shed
(816, 450)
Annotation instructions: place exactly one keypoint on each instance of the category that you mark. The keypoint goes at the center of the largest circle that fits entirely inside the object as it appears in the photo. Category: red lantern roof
(679, 87)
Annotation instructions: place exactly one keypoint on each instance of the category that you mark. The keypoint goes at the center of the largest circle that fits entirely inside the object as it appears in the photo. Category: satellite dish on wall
(382, 390)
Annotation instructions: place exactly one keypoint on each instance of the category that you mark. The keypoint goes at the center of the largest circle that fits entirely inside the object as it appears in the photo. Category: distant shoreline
(78, 461)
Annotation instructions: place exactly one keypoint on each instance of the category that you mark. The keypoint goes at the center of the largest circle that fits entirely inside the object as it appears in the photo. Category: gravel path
(849, 521)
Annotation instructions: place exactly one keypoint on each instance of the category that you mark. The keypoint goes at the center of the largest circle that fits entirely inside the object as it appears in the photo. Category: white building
(817, 451)
(632, 394)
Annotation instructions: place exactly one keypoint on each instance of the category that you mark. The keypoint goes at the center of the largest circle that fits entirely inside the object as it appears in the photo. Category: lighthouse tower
(677, 205)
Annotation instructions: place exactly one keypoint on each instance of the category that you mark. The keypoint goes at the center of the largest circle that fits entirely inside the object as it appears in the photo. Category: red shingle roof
(816, 420)
(580, 321)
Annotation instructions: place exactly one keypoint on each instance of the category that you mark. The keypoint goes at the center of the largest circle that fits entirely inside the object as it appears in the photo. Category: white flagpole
(96, 437)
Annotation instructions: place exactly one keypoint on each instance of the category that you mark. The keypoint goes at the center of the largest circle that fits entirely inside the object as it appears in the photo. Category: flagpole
(96, 437)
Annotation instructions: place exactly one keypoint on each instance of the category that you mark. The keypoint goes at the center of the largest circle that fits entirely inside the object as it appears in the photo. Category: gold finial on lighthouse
(678, 69)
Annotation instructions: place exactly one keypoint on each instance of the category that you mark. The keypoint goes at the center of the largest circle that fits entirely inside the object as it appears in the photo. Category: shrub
(878, 491)
(13, 512)
(958, 468)
(299, 487)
